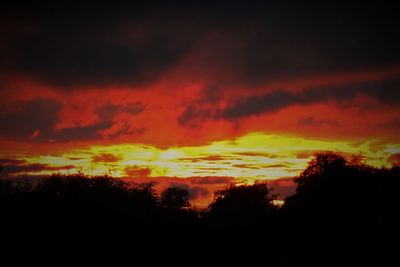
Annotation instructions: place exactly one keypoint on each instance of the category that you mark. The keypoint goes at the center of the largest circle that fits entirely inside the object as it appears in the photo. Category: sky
(197, 95)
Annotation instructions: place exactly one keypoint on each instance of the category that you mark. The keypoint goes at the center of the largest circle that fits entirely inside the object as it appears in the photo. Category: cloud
(16, 167)
(78, 45)
(37, 119)
(206, 158)
(276, 42)
(256, 166)
(75, 158)
(256, 105)
(35, 134)
(256, 154)
(311, 121)
(394, 159)
(211, 180)
(20, 120)
(394, 123)
(193, 114)
(137, 172)
(212, 168)
(105, 127)
(105, 157)
(106, 45)
(385, 91)
(247, 166)
(197, 65)
(9, 161)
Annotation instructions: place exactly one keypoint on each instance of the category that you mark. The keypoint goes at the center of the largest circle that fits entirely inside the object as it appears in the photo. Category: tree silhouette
(242, 203)
(338, 206)
(343, 211)
(175, 198)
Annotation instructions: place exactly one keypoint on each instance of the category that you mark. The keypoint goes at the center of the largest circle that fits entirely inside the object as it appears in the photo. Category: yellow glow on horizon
(253, 156)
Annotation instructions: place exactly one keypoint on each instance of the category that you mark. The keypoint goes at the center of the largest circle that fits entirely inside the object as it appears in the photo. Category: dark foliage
(343, 212)
(240, 204)
(175, 198)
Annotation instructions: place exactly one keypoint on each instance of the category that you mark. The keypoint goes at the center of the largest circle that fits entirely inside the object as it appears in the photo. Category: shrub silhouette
(175, 198)
(342, 208)
(331, 183)
(343, 211)
(242, 203)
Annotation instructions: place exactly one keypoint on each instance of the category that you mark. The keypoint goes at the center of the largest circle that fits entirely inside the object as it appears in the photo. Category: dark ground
(342, 213)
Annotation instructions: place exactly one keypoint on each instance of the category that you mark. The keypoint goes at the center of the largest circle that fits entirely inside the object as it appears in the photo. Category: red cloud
(105, 157)
(137, 172)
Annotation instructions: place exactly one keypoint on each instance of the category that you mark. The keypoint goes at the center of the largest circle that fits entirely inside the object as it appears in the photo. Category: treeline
(343, 212)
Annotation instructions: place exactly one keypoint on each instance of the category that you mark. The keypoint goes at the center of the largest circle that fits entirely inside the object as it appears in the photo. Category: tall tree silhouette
(338, 206)
(343, 211)
(242, 203)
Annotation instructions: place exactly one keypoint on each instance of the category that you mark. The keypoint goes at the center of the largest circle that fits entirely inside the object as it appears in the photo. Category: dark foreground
(342, 213)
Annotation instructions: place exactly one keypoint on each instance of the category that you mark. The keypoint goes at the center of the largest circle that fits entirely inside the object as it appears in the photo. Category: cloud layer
(175, 74)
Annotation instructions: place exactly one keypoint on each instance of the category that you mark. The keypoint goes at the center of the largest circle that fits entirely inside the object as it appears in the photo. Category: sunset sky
(206, 92)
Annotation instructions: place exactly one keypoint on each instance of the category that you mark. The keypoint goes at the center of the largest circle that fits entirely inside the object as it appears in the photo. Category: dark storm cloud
(14, 166)
(106, 115)
(281, 41)
(94, 44)
(257, 105)
(323, 37)
(36, 119)
(118, 43)
(9, 161)
(67, 60)
(194, 113)
(387, 92)
(392, 124)
(20, 120)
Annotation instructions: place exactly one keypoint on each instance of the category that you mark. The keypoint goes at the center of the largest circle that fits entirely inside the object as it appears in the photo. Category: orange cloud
(137, 172)
(105, 157)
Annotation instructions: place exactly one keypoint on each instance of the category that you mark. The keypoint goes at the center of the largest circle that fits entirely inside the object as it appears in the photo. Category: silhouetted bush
(175, 198)
(241, 203)
(340, 210)
(343, 211)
